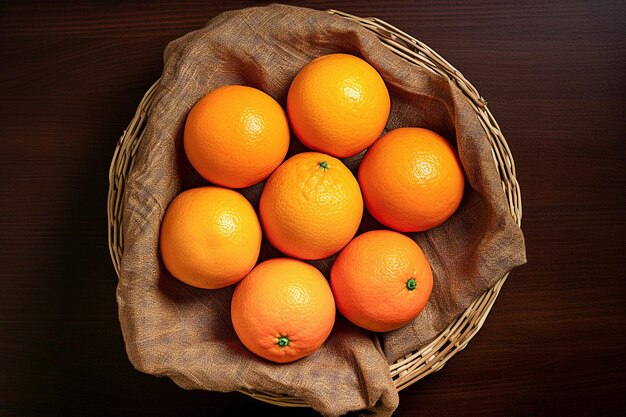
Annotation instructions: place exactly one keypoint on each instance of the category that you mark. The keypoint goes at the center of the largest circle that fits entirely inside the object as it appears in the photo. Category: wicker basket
(434, 356)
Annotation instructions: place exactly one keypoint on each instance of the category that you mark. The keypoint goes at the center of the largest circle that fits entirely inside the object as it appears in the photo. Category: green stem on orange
(411, 284)
(324, 165)
(282, 341)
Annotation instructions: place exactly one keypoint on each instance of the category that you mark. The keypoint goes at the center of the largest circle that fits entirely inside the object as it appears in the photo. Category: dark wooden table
(554, 74)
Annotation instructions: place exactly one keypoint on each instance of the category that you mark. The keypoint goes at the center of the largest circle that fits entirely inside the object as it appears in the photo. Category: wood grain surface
(554, 74)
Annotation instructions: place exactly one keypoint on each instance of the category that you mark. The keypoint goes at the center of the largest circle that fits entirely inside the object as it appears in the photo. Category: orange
(210, 237)
(338, 104)
(311, 206)
(381, 280)
(283, 310)
(236, 136)
(411, 180)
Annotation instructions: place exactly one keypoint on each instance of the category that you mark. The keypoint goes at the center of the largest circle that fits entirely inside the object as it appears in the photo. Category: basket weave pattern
(456, 336)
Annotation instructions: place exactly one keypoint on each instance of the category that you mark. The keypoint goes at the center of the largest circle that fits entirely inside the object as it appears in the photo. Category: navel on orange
(236, 136)
(338, 104)
(411, 179)
(283, 310)
(311, 206)
(210, 237)
(381, 280)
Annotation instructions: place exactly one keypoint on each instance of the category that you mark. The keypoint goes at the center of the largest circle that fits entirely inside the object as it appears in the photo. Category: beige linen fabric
(185, 333)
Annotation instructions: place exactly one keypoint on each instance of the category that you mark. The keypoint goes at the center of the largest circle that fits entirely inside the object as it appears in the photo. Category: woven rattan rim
(434, 356)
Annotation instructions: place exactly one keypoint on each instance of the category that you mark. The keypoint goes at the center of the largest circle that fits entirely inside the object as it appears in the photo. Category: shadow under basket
(432, 357)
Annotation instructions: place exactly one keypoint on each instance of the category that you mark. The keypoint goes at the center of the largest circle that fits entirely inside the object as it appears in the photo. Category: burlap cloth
(171, 329)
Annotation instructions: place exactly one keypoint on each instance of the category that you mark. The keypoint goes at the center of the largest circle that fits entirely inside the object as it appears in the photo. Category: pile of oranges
(311, 206)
